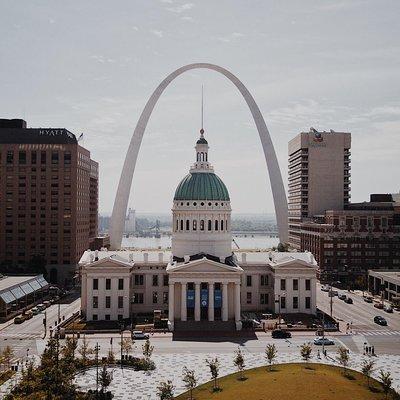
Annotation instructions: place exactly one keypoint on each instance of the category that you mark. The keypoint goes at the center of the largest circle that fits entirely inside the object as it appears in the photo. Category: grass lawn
(293, 382)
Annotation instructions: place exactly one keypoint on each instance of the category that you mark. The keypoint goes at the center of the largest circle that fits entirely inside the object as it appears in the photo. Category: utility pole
(59, 311)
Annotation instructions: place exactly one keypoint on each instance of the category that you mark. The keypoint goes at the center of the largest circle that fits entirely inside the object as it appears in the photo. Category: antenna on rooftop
(202, 108)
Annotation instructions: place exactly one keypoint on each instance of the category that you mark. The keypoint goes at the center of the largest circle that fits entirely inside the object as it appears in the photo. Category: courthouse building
(201, 281)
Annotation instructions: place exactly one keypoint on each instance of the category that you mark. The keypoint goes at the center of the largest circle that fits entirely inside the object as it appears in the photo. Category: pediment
(109, 262)
(293, 263)
(203, 265)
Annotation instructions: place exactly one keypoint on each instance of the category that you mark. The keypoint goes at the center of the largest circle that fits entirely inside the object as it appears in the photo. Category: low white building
(201, 280)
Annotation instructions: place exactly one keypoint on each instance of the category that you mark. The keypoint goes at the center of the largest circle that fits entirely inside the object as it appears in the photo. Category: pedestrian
(373, 350)
(318, 354)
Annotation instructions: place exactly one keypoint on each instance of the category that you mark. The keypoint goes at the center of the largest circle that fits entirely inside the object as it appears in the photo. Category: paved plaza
(139, 385)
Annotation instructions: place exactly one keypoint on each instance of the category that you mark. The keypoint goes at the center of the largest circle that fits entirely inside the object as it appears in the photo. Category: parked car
(342, 296)
(35, 311)
(368, 299)
(47, 303)
(325, 288)
(380, 320)
(139, 335)
(349, 300)
(281, 334)
(319, 341)
(28, 314)
(378, 305)
(41, 307)
(19, 319)
(333, 293)
(388, 309)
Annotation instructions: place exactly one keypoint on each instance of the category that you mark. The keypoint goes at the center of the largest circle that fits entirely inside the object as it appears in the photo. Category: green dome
(201, 186)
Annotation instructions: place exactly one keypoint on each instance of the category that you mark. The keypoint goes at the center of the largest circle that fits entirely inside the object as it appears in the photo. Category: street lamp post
(96, 349)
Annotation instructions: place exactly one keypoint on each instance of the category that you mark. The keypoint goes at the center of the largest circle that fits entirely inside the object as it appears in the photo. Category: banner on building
(204, 298)
(217, 298)
(190, 298)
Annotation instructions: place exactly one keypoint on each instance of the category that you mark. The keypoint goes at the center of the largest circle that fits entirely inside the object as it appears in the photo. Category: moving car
(342, 296)
(281, 334)
(368, 299)
(19, 319)
(378, 305)
(388, 309)
(139, 335)
(349, 300)
(380, 320)
(319, 341)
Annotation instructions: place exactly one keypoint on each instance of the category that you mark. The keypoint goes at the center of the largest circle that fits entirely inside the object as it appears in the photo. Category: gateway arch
(125, 181)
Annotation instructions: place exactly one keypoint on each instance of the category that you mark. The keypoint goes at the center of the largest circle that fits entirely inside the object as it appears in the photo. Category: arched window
(216, 224)
(177, 224)
(181, 224)
(187, 225)
(209, 225)
(222, 225)
(198, 156)
(202, 156)
(195, 225)
(206, 156)
(202, 224)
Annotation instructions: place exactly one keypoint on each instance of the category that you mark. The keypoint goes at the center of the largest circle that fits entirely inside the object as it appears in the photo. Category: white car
(319, 341)
(139, 335)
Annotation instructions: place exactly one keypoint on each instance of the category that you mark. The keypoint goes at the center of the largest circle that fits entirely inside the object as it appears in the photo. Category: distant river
(244, 242)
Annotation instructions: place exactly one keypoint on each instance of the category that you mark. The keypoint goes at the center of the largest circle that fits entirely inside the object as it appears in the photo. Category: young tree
(85, 351)
(190, 380)
(270, 354)
(110, 357)
(105, 379)
(165, 390)
(214, 365)
(305, 352)
(386, 382)
(126, 345)
(238, 361)
(147, 350)
(343, 358)
(367, 369)
(7, 355)
(68, 352)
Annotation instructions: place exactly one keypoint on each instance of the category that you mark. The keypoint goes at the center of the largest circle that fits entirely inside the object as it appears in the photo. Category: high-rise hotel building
(319, 177)
(48, 198)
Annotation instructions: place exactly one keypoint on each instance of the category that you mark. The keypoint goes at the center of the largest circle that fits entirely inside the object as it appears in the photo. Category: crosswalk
(379, 333)
(20, 336)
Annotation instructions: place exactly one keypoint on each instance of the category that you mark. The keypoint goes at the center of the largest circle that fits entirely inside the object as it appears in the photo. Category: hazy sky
(90, 66)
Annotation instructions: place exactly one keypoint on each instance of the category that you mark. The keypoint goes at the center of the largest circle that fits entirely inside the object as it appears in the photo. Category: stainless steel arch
(125, 182)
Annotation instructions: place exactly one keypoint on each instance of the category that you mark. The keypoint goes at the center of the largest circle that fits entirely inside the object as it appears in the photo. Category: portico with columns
(204, 290)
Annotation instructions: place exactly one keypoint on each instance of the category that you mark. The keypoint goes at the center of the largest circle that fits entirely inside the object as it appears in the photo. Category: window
(283, 302)
(95, 284)
(120, 284)
(107, 317)
(155, 297)
(283, 284)
(120, 317)
(248, 298)
(10, 157)
(95, 318)
(216, 225)
(120, 301)
(43, 157)
(248, 280)
(22, 157)
(165, 297)
(202, 225)
(194, 225)
(181, 224)
(264, 298)
(308, 303)
(264, 280)
(108, 302)
(308, 284)
(138, 298)
(155, 280)
(222, 225)
(139, 279)
(108, 284)
(54, 157)
(295, 303)
(165, 280)
(295, 284)
(187, 225)
(67, 158)
(209, 225)
(95, 302)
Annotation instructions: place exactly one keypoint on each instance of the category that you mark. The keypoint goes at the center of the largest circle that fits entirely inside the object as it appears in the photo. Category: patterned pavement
(139, 385)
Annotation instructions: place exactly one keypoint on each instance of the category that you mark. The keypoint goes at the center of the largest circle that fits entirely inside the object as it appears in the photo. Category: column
(224, 302)
(183, 302)
(211, 301)
(197, 301)
(237, 301)
(171, 304)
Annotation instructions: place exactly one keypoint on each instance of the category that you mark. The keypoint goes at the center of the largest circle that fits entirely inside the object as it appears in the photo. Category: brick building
(48, 198)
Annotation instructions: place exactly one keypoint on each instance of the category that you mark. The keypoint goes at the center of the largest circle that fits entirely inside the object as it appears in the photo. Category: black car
(281, 334)
(348, 300)
(380, 320)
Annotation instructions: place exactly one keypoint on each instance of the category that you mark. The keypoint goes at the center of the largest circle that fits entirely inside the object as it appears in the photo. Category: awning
(42, 281)
(35, 284)
(7, 297)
